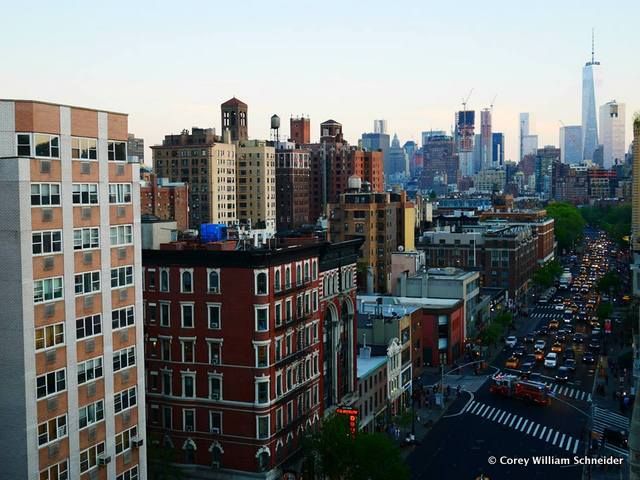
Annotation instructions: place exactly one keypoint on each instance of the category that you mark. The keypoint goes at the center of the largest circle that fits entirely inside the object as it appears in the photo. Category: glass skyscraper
(589, 116)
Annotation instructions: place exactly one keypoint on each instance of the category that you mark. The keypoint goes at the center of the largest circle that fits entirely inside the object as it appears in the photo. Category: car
(578, 338)
(589, 358)
(540, 345)
(529, 358)
(570, 329)
(551, 360)
(570, 363)
(594, 345)
(544, 330)
(619, 438)
(556, 347)
(554, 324)
(512, 362)
(529, 338)
(569, 353)
(562, 375)
(511, 341)
(559, 306)
(596, 332)
(526, 369)
(519, 351)
(561, 337)
(539, 354)
(594, 322)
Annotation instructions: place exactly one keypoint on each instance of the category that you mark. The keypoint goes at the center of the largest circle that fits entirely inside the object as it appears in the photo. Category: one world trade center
(590, 73)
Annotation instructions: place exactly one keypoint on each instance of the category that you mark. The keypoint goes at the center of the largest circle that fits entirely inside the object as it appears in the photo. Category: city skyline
(162, 92)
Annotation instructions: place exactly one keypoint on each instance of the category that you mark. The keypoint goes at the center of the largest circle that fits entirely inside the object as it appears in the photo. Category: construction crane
(492, 102)
(466, 100)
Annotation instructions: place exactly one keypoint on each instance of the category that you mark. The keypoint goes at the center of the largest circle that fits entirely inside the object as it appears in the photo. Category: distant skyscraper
(497, 149)
(431, 133)
(410, 148)
(528, 142)
(397, 158)
(571, 144)
(589, 121)
(465, 124)
(612, 132)
(378, 141)
(379, 126)
(486, 142)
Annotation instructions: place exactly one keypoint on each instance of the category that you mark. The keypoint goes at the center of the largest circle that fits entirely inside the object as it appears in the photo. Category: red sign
(607, 326)
(352, 413)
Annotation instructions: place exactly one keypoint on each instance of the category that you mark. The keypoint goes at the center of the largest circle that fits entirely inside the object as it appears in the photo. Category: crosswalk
(569, 392)
(551, 314)
(524, 425)
(603, 418)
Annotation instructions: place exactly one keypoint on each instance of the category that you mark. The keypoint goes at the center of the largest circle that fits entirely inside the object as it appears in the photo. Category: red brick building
(246, 350)
(292, 188)
(166, 200)
(300, 130)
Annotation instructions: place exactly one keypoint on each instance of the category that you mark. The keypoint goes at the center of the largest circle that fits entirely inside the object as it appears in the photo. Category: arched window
(164, 280)
(214, 281)
(216, 457)
(314, 269)
(263, 461)
(276, 281)
(261, 284)
(187, 285)
(287, 277)
(298, 275)
(306, 272)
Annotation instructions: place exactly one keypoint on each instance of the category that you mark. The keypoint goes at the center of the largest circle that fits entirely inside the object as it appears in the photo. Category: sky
(170, 65)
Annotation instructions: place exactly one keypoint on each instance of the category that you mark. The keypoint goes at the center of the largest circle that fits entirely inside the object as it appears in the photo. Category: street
(481, 424)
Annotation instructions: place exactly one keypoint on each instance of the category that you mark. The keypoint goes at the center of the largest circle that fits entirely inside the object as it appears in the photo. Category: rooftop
(366, 366)
(401, 302)
(234, 102)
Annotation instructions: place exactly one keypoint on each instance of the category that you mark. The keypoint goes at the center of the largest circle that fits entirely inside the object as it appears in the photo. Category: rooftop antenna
(593, 45)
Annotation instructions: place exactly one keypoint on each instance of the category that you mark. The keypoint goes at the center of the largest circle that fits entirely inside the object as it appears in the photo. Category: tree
(613, 219)
(609, 283)
(604, 310)
(331, 453)
(546, 275)
(569, 224)
(161, 461)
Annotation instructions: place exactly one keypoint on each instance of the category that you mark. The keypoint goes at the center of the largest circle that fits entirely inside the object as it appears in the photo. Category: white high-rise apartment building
(72, 370)
(612, 133)
(379, 126)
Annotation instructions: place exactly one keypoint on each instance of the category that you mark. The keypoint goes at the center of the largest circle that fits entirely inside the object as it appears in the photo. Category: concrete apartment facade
(72, 333)
(208, 165)
(256, 183)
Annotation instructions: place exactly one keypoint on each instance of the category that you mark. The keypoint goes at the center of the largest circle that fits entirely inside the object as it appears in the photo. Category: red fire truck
(512, 386)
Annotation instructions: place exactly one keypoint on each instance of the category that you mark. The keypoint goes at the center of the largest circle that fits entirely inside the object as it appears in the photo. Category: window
(121, 235)
(46, 242)
(315, 300)
(123, 440)
(189, 385)
(213, 285)
(85, 194)
(45, 194)
(279, 423)
(117, 151)
(278, 314)
(214, 310)
(52, 430)
(278, 349)
(47, 145)
(167, 420)
(262, 427)
(189, 420)
(131, 474)
(261, 283)
(287, 277)
(277, 285)
(165, 314)
(88, 326)
(215, 387)
(307, 276)
(262, 356)
(84, 148)
(186, 281)
(122, 318)
(215, 422)
(288, 310)
(47, 289)
(262, 391)
(90, 370)
(87, 282)
(124, 358)
(89, 457)
(51, 383)
(125, 399)
(215, 352)
(49, 336)
(86, 238)
(166, 383)
(278, 384)
(187, 315)
(262, 318)
(122, 276)
(314, 269)
(91, 414)
(119, 193)
(55, 472)
(165, 349)
(188, 351)
(164, 280)
(23, 141)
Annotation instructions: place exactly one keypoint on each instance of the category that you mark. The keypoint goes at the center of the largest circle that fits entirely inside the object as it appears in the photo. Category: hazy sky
(170, 64)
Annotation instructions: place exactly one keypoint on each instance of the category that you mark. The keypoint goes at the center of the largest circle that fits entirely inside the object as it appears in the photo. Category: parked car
(511, 341)
(551, 360)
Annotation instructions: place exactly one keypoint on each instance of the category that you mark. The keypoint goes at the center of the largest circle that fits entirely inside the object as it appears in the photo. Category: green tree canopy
(613, 219)
(604, 310)
(609, 283)
(331, 453)
(546, 275)
(569, 224)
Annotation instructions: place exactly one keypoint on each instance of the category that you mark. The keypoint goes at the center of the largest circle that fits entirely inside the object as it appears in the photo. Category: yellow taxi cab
(512, 362)
(556, 347)
(554, 324)
(539, 355)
